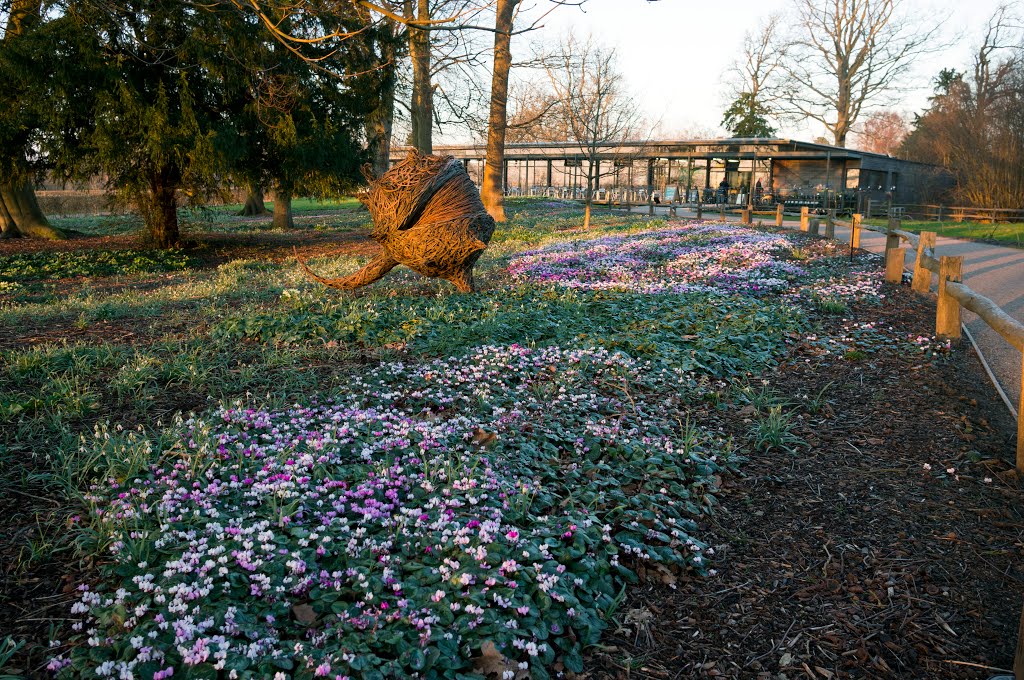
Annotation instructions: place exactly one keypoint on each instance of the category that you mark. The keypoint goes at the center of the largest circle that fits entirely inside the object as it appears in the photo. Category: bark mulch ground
(889, 547)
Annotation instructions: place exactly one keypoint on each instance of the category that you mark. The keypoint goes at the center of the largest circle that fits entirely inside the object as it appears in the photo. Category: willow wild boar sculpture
(427, 214)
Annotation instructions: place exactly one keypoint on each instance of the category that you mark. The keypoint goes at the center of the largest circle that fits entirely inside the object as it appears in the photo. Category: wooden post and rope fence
(953, 297)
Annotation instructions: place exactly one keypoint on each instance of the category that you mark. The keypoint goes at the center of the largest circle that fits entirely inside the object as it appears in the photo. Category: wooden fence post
(721, 212)
(922, 275)
(868, 211)
(894, 264)
(1018, 659)
(778, 215)
(813, 226)
(804, 218)
(892, 240)
(855, 231)
(947, 312)
(700, 209)
(745, 216)
(830, 223)
(1020, 424)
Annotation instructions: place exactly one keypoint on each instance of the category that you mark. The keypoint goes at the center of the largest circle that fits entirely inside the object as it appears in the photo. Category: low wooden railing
(945, 213)
(953, 295)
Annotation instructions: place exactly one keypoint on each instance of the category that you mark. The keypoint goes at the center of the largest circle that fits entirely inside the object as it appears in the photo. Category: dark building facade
(787, 171)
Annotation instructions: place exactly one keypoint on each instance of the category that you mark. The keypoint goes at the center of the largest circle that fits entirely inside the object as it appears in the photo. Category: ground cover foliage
(257, 477)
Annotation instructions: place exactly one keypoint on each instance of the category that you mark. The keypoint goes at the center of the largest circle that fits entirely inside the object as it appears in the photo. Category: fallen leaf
(491, 662)
(484, 438)
(304, 614)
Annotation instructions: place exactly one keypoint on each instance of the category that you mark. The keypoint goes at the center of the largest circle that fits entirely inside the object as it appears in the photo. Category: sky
(675, 53)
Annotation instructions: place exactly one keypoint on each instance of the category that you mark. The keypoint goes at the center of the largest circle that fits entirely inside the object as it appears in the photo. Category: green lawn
(1003, 233)
(299, 205)
(307, 212)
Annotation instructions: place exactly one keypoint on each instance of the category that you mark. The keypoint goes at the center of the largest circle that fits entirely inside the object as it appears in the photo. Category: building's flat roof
(728, 148)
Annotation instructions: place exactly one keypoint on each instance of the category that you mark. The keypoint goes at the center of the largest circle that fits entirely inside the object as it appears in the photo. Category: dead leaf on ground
(491, 662)
(483, 438)
(304, 614)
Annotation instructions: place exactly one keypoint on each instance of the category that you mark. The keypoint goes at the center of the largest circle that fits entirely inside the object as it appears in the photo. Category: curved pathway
(997, 272)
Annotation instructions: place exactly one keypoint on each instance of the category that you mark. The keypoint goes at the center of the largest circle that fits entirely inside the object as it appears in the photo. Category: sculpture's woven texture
(427, 215)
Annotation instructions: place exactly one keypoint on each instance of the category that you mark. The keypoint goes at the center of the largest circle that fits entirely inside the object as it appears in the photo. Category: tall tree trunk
(8, 229)
(497, 124)
(590, 194)
(159, 208)
(254, 204)
(21, 215)
(843, 112)
(283, 209)
(422, 108)
(380, 121)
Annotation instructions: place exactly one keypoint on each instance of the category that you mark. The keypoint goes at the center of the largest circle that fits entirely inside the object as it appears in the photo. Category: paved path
(997, 272)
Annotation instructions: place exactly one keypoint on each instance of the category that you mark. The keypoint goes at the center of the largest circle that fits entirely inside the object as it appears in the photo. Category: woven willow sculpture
(427, 215)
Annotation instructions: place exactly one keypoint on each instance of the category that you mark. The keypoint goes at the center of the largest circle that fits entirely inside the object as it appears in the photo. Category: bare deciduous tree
(491, 189)
(751, 76)
(532, 105)
(598, 113)
(975, 126)
(844, 56)
(882, 132)
(497, 122)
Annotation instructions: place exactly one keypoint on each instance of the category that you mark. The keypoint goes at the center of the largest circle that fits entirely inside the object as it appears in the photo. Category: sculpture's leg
(463, 280)
(374, 270)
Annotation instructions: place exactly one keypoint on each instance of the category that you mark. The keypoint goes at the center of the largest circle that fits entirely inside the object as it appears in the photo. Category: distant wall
(807, 176)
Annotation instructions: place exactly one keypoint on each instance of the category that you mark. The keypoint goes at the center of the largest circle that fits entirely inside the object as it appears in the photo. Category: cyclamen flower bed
(697, 257)
(467, 514)
(395, 531)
